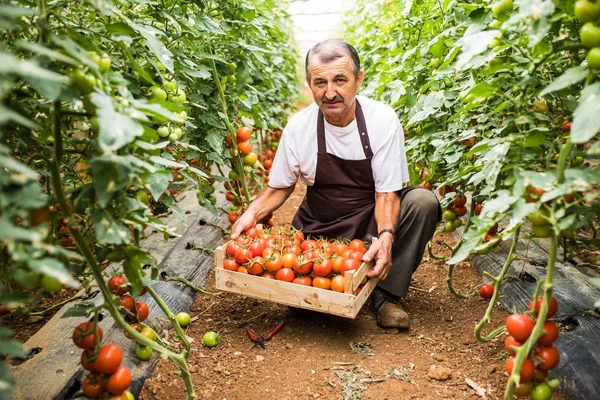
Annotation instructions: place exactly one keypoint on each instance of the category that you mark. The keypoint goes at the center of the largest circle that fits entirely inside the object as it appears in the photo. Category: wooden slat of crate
(343, 304)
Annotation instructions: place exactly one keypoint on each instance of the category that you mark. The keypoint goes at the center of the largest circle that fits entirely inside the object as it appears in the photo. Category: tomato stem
(165, 308)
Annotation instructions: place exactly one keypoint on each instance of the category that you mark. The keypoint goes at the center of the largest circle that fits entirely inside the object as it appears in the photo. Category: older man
(349, 150)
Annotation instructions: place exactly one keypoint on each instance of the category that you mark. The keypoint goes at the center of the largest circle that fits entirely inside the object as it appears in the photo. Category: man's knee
(423, 202)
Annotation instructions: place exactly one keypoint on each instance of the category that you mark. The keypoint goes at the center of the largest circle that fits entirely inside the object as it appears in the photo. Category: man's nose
(330, 93)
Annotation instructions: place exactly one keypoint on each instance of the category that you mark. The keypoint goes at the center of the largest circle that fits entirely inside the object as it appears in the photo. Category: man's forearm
(387, 211)
(269, 200)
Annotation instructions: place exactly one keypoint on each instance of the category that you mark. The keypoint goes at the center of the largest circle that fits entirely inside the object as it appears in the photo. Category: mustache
(336, 99)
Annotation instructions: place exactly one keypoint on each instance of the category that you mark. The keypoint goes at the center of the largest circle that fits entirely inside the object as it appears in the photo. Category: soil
(320, 356)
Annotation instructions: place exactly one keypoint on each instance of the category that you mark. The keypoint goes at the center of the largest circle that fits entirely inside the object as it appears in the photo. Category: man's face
(334, 88)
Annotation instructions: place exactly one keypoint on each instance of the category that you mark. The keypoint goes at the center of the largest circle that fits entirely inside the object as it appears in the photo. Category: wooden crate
(346, 304)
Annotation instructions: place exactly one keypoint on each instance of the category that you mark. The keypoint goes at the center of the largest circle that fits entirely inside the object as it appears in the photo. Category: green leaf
(83, 309)
(7, 115)
(132, 268)
(120, 28)
(12, 348)
(421, 115)
(54, 268)
(11, 13)
(108, 231)
(110, 173)
(116, 130)
(44, 51)
(208, 25)
(586, 118)
(158, 183)
(200, 71)
(9, 232)
(473, 45)
(570, 77)
(46, 82)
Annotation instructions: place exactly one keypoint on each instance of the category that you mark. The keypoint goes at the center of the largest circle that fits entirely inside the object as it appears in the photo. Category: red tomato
(337, 284)
(349, 264)
(268, 275)
(252, 233)
(519, 326)
(487, 291)
(460, 211)
(511, 341)
(285, 274)
(243, 134)
(357, 245)
(242, 256)
(321, 283)
(231, 248)
(340, 248)
(242, 270)
(326, 248)
(526, 369)
(256, 267)
(229, 196)
(549, 356)
(478, 208)
(267, 163)
(552, 309)
(84, 336)
(118, 285)
(274, 263)
(233, 216)
(305, 280)
(539, 375)
(299, 235)
(323, 268)
(244, 148)
(493, 229)
(93, 385)
(336, 264)
(230, 264)
(288, 259)
(256, 249)
(119, 381)
(550, 334)
(356, 255)
(308, 244)
(142, 311)
(126, 302)
(109, 358)
(86, 362)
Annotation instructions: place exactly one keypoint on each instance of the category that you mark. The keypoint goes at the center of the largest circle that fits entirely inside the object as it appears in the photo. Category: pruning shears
(260, 340)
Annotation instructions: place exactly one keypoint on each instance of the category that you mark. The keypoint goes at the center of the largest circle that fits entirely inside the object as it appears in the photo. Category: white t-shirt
(296, 155)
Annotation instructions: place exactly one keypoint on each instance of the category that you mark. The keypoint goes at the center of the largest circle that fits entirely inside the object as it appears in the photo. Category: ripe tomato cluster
(534, 379)
(135, 311)
(285, 254)
(106, 376)
(455, 209)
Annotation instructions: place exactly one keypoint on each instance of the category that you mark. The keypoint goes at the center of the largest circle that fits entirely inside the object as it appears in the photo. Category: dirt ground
(320, 356)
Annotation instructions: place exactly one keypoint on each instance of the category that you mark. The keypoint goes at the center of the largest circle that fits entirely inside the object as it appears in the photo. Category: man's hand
(381, 252)
(246, 221)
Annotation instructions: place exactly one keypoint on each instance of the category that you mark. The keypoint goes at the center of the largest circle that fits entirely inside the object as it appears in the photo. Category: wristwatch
(388, 231)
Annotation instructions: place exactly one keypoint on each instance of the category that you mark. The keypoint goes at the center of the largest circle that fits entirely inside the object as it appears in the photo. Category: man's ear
(308, 81)
(359, 80)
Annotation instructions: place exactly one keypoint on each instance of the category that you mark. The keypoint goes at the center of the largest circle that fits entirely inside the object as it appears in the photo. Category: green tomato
(183, 115)
(143, 353)
(156, 93)
(539, 217)
(586, 11)
(26, 279)
(449, 227)
(178, 97)
(553, 383)
(590, 35)
(593, 57)
(212, 199)
(171, 85)
(105, 62)
(178, 132)
(232, 67)
(541, 231)
(577, 161)
(495, 23)
(541, 392)
(95, 124)
(184, 319)
(248, 169)
(457, 222)
(129, 395)
(173, 137)
(149, 333)
(95, 57)
(449, 215)
(210, 339)
(50, 284)
(85, 83)
(233, 175)
(232, 79)
(540, 106)
(250, 158)
(142, 196)
(163, 131)
(501, 7)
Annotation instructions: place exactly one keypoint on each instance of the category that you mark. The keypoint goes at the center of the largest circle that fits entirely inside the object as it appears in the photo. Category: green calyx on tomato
(210, 339)
(178, 97)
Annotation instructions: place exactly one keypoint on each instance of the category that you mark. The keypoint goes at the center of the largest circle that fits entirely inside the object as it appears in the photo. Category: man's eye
(341, 80)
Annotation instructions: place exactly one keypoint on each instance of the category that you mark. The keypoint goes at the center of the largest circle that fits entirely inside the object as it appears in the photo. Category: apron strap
(362, 131)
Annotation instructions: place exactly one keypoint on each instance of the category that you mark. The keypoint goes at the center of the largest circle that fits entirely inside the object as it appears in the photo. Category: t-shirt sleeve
(390, 169)
(286, 167)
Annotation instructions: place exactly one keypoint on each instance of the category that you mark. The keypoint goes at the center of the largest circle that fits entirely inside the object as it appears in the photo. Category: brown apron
(341, 202)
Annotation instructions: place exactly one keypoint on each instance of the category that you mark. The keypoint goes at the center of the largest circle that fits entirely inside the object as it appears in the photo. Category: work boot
(388, 310)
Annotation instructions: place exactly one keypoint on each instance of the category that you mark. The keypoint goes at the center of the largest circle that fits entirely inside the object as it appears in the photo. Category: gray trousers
(419, 214)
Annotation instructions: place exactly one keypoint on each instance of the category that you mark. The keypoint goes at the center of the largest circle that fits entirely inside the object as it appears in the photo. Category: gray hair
(330, 50)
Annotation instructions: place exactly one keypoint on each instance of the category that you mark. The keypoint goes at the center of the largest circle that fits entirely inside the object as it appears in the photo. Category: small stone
(34, 319)
(237, 353)
(218, 368)
(416, 321)
(302, 349)
(289, 346)
(260, 358)
(391, 331)
(316, 395)
(439, 357)
(439, 373)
